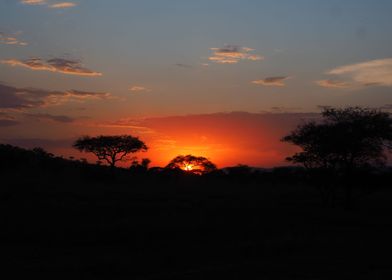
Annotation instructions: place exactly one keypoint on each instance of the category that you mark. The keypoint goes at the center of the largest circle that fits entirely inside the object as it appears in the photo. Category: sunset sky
(219, 78)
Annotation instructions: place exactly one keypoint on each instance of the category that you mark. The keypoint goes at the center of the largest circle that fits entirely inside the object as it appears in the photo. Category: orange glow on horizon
(224, 139)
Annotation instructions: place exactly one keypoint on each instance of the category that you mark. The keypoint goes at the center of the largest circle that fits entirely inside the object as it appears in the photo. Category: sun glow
(188, 167)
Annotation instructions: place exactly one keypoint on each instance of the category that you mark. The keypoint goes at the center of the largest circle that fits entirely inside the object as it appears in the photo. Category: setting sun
(188, 167)
(193, 164)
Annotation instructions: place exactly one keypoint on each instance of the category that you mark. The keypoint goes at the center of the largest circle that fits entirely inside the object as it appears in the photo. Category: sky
(222, 79)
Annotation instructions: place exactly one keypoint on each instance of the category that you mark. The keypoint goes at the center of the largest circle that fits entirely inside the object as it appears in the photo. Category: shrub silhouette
(141, 166)
(192, 164)
(344, 141)
(110, 148)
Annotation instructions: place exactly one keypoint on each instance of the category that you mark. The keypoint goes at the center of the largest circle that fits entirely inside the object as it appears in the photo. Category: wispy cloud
(337, 84)
(138, 89)
(7, 120)
(87, 94)
(183, 65)
(60, 65)
(272, 81)
(369, 73)
(282, 109)
(51, 118)
(24, 98)
(6, 123)
(33, 2)
(6, 39)
(231, 54)
(55, 5)
(62, 5)
(16, 117)
(129, 123)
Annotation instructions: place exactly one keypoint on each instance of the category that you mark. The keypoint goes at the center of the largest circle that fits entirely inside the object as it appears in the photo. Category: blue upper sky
(69, 65)
(165, 46)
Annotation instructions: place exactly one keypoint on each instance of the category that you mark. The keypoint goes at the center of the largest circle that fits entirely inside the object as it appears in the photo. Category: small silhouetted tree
(145, 163)
(41, 153)
(141, 166)
(192, 164)
(110, 148)
(343, 141)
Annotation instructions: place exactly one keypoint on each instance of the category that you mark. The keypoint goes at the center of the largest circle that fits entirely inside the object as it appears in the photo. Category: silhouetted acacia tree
(110, 148)
(192, 164)
(343, 141)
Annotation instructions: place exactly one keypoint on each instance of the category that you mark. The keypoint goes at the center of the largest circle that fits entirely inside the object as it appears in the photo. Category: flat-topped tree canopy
(110, 148)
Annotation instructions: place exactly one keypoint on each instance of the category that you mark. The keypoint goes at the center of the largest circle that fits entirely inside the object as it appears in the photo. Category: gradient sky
(187, 76)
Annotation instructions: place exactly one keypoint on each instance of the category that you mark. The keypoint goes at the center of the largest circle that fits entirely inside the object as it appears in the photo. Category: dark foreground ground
(78, 227)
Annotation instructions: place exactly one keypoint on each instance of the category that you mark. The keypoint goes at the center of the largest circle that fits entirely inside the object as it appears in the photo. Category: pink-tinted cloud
(138, 88)
(56, 5)
(59, 65)
(369, 73)
(337, 84)
(11, 40)
(233, 54)
(272, 81)
(33, 2)
(62, 5)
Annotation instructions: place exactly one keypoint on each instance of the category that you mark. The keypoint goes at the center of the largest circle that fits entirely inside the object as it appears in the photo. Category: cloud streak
(10, 40)
(138, 89)
(62, 5)
(183, 65)
(272, 81)
(59, 65)
(52, 118)
(58, 5)
(25, 98)
(369, 73)
(7, 120)
(33, 2)
(231, 54)
(336, 84)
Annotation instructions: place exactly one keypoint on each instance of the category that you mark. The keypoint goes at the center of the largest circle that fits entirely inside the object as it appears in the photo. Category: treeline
(36, 169)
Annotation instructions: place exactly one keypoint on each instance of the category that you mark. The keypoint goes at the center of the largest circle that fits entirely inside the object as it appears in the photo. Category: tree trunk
(349, 187)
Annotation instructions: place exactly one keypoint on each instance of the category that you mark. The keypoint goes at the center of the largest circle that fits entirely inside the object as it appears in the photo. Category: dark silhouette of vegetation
(240, 169)
(192, 164)
(141, 166)
(110, 148)
(342, 143)
(64, 217)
